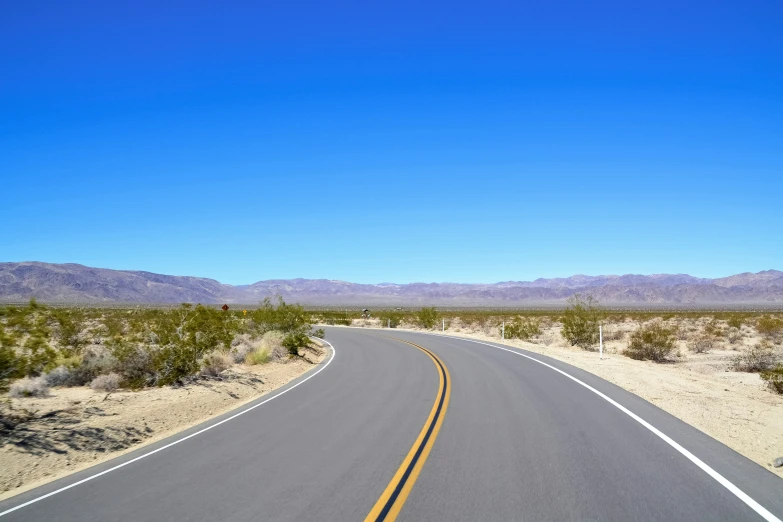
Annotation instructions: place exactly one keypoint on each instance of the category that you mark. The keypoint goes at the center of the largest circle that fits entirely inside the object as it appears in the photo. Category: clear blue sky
(393, 141)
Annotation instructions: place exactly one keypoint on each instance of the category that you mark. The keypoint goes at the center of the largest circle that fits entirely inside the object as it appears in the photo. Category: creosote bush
(653, 342)
(522, 328)
(580, 321)
(427, 318)
(294, 341)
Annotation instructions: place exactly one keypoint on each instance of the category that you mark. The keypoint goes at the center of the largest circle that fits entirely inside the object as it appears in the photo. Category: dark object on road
(224, 307)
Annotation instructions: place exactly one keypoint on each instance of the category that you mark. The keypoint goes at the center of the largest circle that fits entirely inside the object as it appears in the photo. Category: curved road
(449, 430)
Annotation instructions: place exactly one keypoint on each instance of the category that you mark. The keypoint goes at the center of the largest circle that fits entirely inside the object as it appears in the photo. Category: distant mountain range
(72, 283)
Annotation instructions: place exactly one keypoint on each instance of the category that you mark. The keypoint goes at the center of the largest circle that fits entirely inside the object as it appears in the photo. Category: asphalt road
(470, 432)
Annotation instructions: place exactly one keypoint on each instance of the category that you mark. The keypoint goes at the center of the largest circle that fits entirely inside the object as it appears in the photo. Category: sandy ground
(733, 407)
(75, 428)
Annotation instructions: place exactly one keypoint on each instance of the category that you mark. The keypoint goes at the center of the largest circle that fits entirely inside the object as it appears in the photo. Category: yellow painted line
(396, 493)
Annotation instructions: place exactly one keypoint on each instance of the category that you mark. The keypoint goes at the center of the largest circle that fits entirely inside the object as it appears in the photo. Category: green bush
(427, 318)
(320, 333)
(523, 329)
(294, 341)
(652, 342)
(580, 321)
(774, 378)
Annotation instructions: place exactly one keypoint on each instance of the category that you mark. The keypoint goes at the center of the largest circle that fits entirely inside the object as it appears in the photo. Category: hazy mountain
(72, 283)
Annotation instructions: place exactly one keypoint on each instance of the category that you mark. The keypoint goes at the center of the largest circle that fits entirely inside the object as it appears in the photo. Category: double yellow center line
(396, 493)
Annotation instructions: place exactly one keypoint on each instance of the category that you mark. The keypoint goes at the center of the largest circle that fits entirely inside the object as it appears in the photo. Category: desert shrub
(774, 378)
(29, 387)
(216, 362)
(70, 326)
(391, 319)
(757, 358)
(273, 341)
(259, 356)
(292, 342)
(734, 336)
(735, 321)
(427, 318)
(701, 344)
(10, 365)
(131, 361)
(320, 333)
(521, 328)
(241, 346)
(107, 383)
(96, 360)
(289, 319)
(653, 342)
(769, 326)
(580, 321)
(60, 376)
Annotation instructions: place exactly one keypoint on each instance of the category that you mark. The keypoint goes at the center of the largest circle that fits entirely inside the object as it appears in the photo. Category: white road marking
(723, 481)
(33, 501)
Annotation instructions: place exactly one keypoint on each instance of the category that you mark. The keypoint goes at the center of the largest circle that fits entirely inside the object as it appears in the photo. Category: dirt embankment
(42, 439)
(701, 389)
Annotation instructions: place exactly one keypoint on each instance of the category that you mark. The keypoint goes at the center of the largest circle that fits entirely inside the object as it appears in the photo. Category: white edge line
(33, 501)
(723, 481)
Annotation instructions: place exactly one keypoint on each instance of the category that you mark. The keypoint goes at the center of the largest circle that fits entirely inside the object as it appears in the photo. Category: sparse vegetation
(774, 378)
(757, 358)
(143, 346)
(653, 342)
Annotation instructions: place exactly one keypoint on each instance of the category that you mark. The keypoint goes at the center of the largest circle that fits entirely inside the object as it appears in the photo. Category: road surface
(406, 426)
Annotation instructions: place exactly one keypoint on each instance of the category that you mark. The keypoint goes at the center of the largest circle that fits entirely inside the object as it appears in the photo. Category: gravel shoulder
(43, 439)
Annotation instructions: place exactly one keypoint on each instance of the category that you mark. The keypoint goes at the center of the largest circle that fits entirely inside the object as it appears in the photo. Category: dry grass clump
(273, 341)
(216, 362)
(653, 341)
(106, 383)
(757, 358)
(29, 387)
(258, 356)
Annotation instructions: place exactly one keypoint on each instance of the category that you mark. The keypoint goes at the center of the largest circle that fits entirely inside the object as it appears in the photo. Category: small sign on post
(244, 312)
(224, 307)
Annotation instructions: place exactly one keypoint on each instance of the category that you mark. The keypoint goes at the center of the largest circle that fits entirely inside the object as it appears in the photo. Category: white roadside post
(389, 324)
(600, 341)
(503, 331)
(443, 329)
